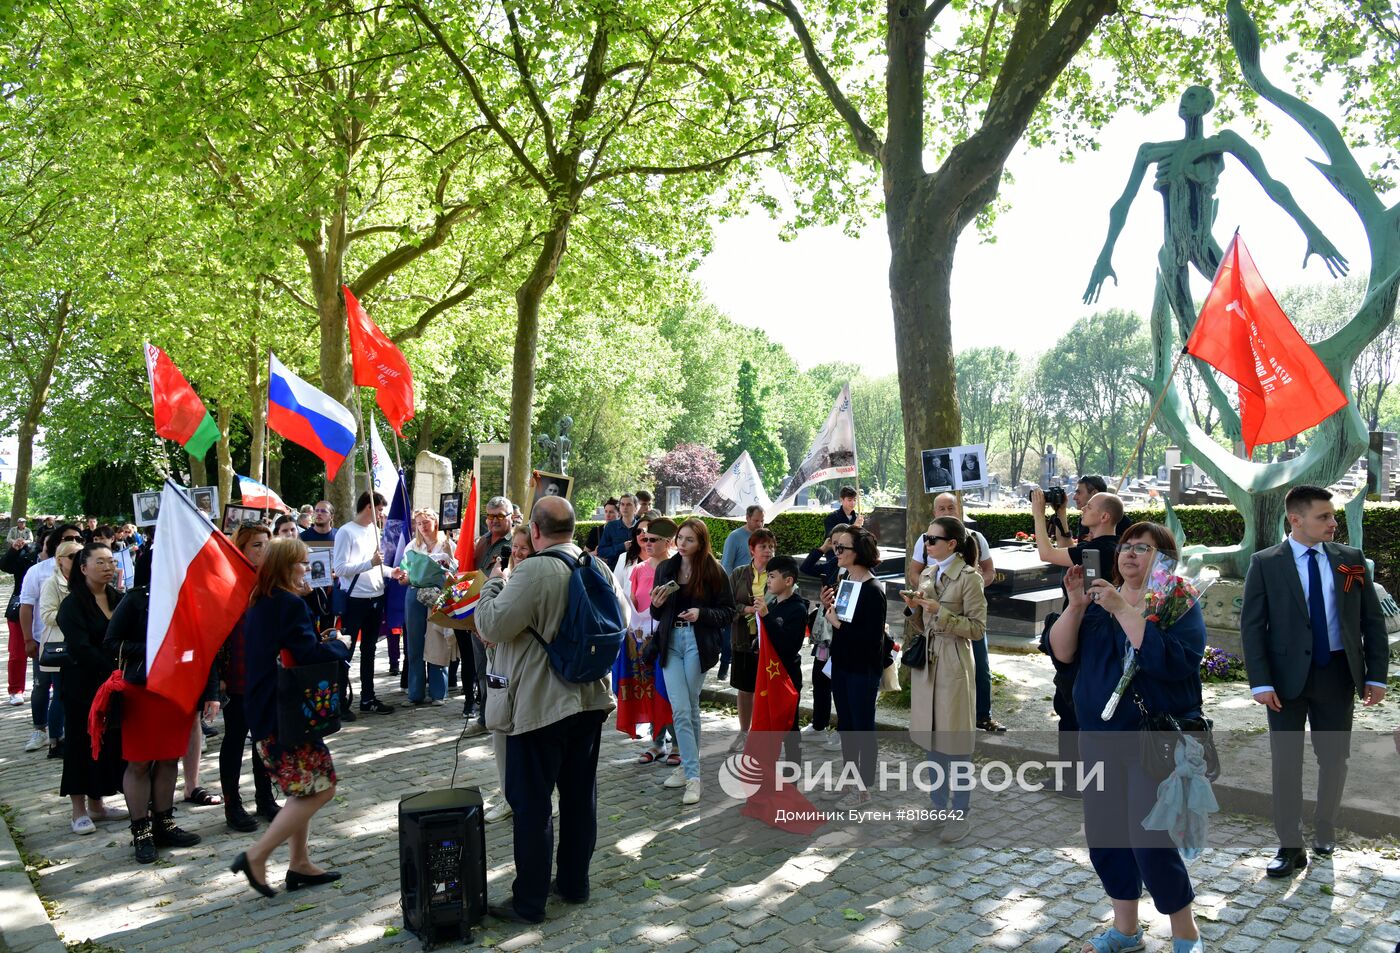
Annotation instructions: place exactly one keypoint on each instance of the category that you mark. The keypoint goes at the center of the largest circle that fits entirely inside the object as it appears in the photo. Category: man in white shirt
(359, 566)
(948, 504)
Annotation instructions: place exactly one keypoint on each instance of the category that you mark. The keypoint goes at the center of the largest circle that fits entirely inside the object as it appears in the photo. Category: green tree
(961, 85)
(751, 432)
(626, 123)
(879, 432)
(986, 381)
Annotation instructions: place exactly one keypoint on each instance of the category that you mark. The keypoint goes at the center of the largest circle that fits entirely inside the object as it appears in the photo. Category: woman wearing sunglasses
(951, 609)
(1106, 630)
(857, 654)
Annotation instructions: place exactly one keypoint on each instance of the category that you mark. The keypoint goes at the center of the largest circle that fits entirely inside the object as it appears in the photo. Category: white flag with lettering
(833, 454)
(736, 490)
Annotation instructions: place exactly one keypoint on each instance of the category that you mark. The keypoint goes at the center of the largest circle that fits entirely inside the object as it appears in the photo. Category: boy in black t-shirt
(784, 616)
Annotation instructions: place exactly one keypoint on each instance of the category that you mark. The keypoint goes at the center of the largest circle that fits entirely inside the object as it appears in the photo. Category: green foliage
(751, 431)
(798, 532)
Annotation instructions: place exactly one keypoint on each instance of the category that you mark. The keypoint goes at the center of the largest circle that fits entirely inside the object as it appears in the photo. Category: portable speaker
(442, 864)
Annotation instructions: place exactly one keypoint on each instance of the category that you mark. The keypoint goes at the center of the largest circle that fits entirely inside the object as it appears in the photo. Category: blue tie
(1317, 613)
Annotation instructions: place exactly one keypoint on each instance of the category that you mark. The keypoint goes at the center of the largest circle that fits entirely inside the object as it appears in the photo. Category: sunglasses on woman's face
(935, 540)
(838, 549)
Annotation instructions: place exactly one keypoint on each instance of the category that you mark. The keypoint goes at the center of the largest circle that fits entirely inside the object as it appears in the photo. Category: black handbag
(1159, 734)
(340, 598)
(308, 701)
(54, 654)
(915, 651)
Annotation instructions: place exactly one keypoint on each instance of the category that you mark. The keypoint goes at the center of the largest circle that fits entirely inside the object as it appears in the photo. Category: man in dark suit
(1314, 640)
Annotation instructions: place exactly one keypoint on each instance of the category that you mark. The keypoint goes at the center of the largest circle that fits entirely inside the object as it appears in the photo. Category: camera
(1054, 497)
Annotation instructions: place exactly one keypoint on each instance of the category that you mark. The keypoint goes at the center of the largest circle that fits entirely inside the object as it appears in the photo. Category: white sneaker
(38, 738)
(737, 744)
(833, 741)
(693, 788)
(499, 811)
(808, 732)
(17, 699)
(676, 779)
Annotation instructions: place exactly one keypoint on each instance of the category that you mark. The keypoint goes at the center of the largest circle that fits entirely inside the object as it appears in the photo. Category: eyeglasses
(1137, 549)
(70, 539)
(497, 516)
(935, 540)
(649, 539)
(323, 512)
(838, 549)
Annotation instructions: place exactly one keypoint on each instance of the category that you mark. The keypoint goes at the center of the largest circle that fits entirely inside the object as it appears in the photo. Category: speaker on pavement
(442, 863)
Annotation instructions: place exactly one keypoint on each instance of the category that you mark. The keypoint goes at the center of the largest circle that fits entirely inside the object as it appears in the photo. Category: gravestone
(432, 476)
(1382, 461)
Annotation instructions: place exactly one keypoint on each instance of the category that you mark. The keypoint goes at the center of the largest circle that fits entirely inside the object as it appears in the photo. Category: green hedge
(1206, 525)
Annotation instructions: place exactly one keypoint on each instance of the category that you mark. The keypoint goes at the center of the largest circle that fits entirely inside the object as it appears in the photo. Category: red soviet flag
(380, 365)
(1243, 333)
(774, 708)
(466, 536)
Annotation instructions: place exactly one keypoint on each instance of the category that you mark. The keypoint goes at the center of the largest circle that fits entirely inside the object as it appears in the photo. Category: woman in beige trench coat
(951, 608)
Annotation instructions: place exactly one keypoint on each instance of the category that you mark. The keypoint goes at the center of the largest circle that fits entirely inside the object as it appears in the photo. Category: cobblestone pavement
(655, 884)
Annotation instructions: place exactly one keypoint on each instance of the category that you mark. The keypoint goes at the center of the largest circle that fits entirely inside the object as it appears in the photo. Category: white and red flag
(200, 585)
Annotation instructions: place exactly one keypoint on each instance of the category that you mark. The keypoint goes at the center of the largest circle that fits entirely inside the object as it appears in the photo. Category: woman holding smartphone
(692, 607)
(278, 621)
(857, 653)
(951, 608)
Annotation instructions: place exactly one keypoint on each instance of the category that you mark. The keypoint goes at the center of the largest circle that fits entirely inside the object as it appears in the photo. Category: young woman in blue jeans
(857, 655)
(690, 621)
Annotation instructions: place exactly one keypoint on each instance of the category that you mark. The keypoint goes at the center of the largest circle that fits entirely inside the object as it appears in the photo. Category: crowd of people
(686, 613)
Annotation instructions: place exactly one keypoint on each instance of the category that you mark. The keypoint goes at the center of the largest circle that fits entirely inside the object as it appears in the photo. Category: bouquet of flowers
(1173, 588)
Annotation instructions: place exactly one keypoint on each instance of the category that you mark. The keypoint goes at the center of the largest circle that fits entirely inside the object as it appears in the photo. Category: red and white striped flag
(200, 585)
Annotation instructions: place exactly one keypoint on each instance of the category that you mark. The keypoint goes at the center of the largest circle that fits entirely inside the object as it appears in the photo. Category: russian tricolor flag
(308, 417)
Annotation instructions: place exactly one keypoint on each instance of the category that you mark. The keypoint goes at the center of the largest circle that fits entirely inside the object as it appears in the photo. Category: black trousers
(1064, 708)
(466, 654)
(1326, 706)
(821, 697)
(563, 755)
(231, 751)
(362, 618)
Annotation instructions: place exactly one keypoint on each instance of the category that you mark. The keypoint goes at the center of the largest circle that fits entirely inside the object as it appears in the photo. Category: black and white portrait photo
(146, 506)
(938, 470)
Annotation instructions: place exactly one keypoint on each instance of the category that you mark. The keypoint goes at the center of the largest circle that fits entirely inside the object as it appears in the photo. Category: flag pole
(365, 424)
(1156, 405)
(266, 435)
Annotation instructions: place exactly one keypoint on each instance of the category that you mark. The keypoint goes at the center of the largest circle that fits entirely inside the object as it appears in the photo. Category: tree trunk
(921, 267)
(274, 465)
(224, 419)
(199, 473)
(33, 411)
(527, 333)
(425, 433)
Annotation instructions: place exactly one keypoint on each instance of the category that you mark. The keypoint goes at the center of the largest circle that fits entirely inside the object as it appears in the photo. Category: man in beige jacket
(553, 727)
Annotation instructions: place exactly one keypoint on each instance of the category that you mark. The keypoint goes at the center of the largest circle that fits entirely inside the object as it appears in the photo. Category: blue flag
(398, 532)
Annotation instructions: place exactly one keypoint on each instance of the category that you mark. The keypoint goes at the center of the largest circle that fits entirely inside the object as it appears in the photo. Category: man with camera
(492, 549)
(1098, 520)
(553, 726)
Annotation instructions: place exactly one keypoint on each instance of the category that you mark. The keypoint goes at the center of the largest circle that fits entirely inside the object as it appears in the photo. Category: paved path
(655, 882)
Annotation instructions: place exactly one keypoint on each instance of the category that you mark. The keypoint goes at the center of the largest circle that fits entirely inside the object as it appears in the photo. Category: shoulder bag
(1158, 736)
(308, 700)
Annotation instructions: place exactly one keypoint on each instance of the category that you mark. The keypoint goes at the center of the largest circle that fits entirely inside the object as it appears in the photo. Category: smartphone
(505, 561)
(1090, 559)
(496, 681)
(911, 593)
(669, 587)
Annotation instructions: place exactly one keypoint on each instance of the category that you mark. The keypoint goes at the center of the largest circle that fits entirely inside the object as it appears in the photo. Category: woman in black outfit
(821, 562)
(278, 621)
(857, 655)
(83, 616)
(252, 541)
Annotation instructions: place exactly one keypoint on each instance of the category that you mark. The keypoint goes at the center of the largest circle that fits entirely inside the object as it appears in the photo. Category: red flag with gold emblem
(774, 709)
(1243, 333)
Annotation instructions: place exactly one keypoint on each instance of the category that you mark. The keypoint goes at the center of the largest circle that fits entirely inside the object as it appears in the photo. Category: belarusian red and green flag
(180, 414)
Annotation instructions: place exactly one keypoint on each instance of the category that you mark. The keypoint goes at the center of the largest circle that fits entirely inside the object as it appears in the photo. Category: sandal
(203, 797)
(647, 757)
(1111, 941)
(673, 759)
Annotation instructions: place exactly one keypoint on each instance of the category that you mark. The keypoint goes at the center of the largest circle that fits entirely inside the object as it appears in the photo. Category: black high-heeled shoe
(240, 866)
(296, 881)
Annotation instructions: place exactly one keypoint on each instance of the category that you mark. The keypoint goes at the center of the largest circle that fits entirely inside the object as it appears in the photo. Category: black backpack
(592, 631)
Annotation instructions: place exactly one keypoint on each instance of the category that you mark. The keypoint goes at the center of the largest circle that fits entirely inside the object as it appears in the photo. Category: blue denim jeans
(420, 673)
(939, 796)
(45, 707)
(683, 680)
(984, 678)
